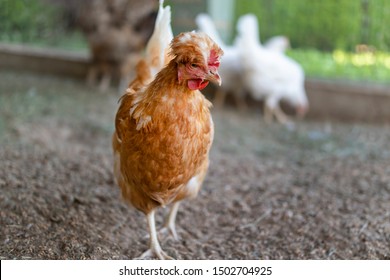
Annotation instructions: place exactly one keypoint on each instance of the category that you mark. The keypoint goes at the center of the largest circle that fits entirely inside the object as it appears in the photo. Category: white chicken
(230, 68)
(269, 75)
(277, 43)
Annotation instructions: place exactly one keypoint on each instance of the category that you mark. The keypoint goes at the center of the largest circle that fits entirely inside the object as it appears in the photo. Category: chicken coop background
(328, 23)
(310, 187)
(341, 40)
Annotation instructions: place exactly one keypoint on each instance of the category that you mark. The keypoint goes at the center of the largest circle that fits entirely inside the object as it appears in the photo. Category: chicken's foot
(219, 98)
(170, 224)
(240, 102)
(155, 250)
(280, 115)
(268, 114)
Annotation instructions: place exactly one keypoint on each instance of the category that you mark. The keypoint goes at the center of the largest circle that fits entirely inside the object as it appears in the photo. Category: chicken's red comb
(214, 59)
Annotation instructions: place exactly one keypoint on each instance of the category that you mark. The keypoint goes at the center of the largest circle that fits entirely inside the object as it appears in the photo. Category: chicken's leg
(92, 76)
(169, 227)
(280, 116)
(240, 101)
(219, 99)
(106, 78)
(268, 116)
(275, 111)
(155, 248)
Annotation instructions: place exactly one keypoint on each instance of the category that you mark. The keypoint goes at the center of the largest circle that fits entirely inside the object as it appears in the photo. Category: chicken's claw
(155, 250)
(150, 254)
(170, 223)
(169, 230)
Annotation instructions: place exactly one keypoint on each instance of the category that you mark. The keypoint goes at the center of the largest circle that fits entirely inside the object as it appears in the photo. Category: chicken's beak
(301, 111)
(214, 77)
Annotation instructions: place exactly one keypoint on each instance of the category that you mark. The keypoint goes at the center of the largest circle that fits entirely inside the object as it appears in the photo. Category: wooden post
(222, 12)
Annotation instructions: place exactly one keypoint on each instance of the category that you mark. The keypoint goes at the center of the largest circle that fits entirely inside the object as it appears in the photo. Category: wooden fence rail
(329, 100)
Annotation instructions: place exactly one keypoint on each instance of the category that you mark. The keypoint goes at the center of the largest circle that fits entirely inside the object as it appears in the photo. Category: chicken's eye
(194, 65)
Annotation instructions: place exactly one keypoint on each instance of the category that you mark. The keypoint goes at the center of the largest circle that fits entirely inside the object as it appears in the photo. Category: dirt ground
(319, 190)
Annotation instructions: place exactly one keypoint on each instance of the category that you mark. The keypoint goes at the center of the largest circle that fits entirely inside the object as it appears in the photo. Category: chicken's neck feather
(165, 96)
(167, 80)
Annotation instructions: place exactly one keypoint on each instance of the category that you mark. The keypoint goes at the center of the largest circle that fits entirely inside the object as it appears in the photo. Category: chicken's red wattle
(199, 84)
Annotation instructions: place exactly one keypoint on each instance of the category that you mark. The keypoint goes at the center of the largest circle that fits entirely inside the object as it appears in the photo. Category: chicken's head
(198, 58)
(298, 99)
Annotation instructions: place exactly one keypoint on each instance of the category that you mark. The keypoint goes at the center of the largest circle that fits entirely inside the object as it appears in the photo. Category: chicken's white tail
(248, 29)
(206, 24)
(157, 49)
(278, 44)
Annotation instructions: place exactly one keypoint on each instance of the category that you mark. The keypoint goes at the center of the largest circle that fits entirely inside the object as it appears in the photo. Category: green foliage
(339, 64)
(324, 25)
(378, 21)
(24, 20)
(35, 22)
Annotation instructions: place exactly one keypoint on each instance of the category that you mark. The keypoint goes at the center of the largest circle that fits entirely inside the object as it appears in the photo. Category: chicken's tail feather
(157, 49)
(206, 24)
(248, 29)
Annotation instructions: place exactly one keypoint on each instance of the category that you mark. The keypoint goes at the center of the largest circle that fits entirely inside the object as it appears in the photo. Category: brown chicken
(116, 32)
(111, 49)
(163, 127)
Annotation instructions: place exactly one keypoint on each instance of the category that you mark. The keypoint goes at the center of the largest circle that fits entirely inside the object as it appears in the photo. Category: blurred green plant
(310, 25)
(36, 22)
(324, 25)
(339, 64)
(24, 20)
